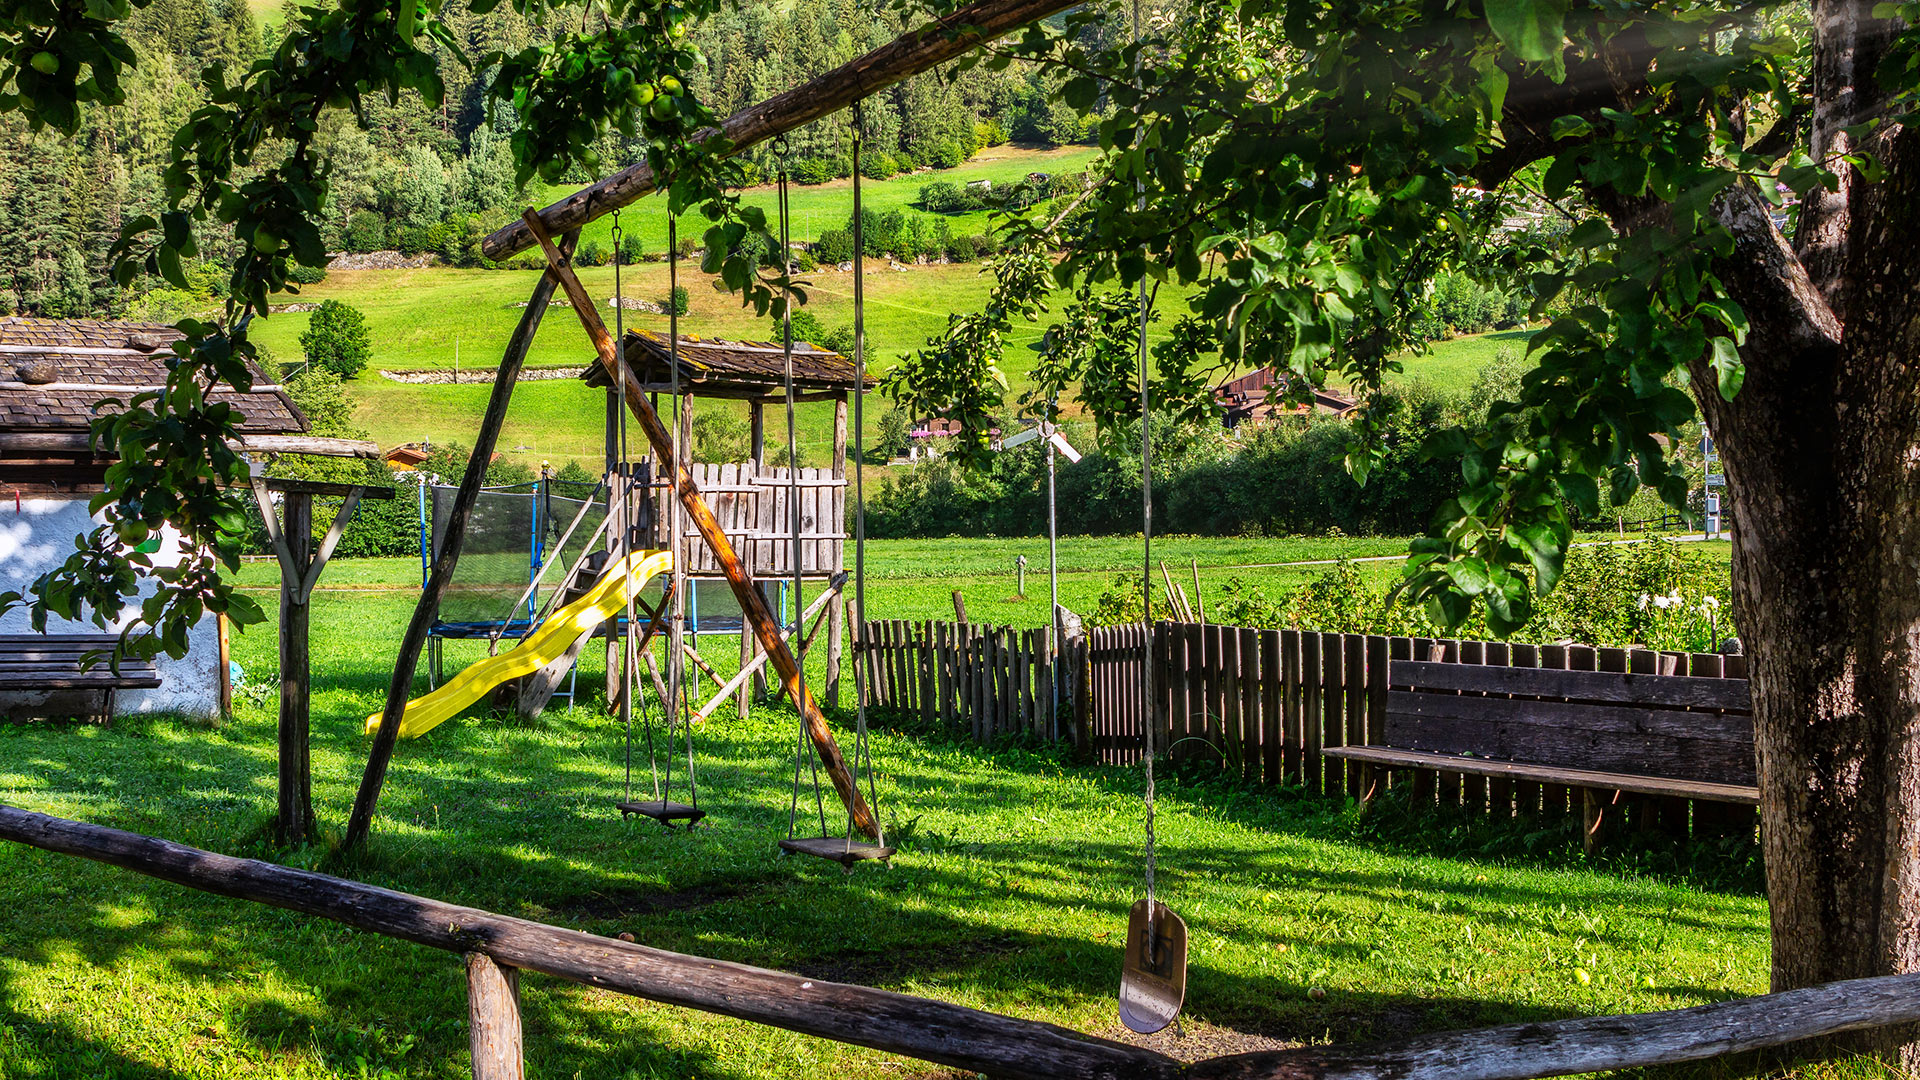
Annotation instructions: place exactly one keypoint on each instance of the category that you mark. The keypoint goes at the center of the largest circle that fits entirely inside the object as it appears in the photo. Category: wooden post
(754, 606)
(293, 819)
(836, 631)
(400, 686)
(1076, 695)
(959, 608)
(226, 666)
(493, 1019)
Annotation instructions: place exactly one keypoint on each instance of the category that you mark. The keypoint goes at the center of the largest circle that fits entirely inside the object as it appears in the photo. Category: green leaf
(1728, 371)
(1532, 29)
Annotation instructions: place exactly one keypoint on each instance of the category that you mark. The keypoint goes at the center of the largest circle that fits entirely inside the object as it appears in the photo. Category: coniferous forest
(419, 179)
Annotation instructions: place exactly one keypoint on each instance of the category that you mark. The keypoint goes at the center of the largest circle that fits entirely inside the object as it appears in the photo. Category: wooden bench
(1601, 732)
(51, 664)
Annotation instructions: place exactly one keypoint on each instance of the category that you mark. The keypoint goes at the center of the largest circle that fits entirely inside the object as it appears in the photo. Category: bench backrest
(1674, 726)
(52, 662)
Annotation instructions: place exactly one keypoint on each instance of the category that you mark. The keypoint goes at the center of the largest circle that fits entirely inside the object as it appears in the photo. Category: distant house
(923, 436)
(1246, 399)
(53, 373)
(407, 457)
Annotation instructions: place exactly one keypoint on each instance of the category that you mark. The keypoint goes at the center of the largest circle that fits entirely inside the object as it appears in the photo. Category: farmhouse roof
(54, 371)
(715, 367)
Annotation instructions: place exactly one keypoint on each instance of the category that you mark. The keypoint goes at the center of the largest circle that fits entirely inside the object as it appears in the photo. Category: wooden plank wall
(1261, 703)
(751, 504)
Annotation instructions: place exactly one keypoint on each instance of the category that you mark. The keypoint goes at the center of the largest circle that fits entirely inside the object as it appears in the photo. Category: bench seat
(1388, 757)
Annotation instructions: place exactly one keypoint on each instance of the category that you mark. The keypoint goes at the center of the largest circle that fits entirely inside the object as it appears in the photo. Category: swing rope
(803, 747)
(1146, 536)
(625, 537)
(862, 753)
(676, 628)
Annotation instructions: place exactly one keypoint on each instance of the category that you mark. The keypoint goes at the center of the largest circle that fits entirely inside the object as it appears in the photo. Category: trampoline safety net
(515, 529)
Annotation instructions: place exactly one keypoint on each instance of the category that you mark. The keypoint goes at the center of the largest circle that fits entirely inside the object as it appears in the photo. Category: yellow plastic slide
(607, 598)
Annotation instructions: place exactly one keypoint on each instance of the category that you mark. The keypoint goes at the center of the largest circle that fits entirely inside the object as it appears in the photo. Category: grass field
(447, 318)
(1424, 926)
(815, 208)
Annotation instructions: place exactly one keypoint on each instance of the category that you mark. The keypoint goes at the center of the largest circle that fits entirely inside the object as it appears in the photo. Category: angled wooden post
(766, 628)
(400, 687)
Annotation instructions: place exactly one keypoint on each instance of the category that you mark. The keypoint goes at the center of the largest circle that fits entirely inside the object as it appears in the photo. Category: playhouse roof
(714, 367)
(54, 371)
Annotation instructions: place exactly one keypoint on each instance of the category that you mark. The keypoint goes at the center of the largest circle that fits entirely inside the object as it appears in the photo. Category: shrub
(834, 246)
(878, 165)
(963, 249)
(337, 339)
(678, 302)
(948, 155)
(366, 231)
(302, 274)
(941, 197)
(320, 397)
(631, 249)
(720, 436)
(818, 170)
(590, 253)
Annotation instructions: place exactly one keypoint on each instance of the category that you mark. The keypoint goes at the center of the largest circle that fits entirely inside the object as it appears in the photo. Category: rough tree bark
(1823, 468)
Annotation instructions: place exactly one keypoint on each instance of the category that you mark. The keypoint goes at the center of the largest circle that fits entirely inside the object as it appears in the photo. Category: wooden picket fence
(1262, 703)
(990, 681)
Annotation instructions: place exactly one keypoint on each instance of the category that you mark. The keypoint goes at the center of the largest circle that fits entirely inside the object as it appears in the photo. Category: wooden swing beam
(753, 605)
(909, 54)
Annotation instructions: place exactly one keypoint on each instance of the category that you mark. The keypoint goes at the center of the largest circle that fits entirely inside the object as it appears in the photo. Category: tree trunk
(1823, 469)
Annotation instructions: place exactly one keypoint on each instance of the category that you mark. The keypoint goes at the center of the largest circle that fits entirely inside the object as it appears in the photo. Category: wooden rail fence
(1263, 703)
(496, 948)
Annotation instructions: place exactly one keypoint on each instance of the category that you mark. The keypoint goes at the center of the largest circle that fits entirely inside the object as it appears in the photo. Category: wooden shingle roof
(715, 367)
(53, 372)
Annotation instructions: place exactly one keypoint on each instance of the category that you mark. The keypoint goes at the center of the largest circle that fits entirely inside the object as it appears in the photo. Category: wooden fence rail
(1265, 704)
(496, 947)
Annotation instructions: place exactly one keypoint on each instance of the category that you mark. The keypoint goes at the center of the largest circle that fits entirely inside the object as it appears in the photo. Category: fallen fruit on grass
(624, 936)
(1317, 993)
(1582, 976)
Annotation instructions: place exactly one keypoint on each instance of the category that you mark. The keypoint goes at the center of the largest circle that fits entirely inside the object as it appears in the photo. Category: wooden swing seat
(663, 811)
(837, 849)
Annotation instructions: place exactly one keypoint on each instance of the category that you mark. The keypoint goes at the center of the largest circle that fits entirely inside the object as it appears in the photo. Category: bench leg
(1373, 780)
(1594, 804)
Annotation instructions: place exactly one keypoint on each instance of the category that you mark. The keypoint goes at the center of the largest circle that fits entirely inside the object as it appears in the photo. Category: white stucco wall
(37, 536)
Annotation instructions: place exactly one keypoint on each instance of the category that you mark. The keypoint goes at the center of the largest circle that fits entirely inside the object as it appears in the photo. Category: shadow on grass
(517, 819)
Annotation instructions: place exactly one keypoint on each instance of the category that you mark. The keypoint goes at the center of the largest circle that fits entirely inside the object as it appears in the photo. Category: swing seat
(836, 848)
(663, 811)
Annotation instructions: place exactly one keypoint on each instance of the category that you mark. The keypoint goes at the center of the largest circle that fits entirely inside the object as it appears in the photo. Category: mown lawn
(1009, 894)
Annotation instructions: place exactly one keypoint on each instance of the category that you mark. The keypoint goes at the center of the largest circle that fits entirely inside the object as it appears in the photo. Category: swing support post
(766, 627)
(400, 686)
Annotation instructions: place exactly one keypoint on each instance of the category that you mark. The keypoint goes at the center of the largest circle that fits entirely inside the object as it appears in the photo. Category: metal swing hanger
(844, 850)
(661, 808)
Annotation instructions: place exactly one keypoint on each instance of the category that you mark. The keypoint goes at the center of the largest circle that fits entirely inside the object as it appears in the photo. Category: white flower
(1710, 602)
(1643, 601)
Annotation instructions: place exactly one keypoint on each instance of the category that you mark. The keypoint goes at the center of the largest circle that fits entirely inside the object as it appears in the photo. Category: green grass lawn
(1454, 364)
(1009, 894)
